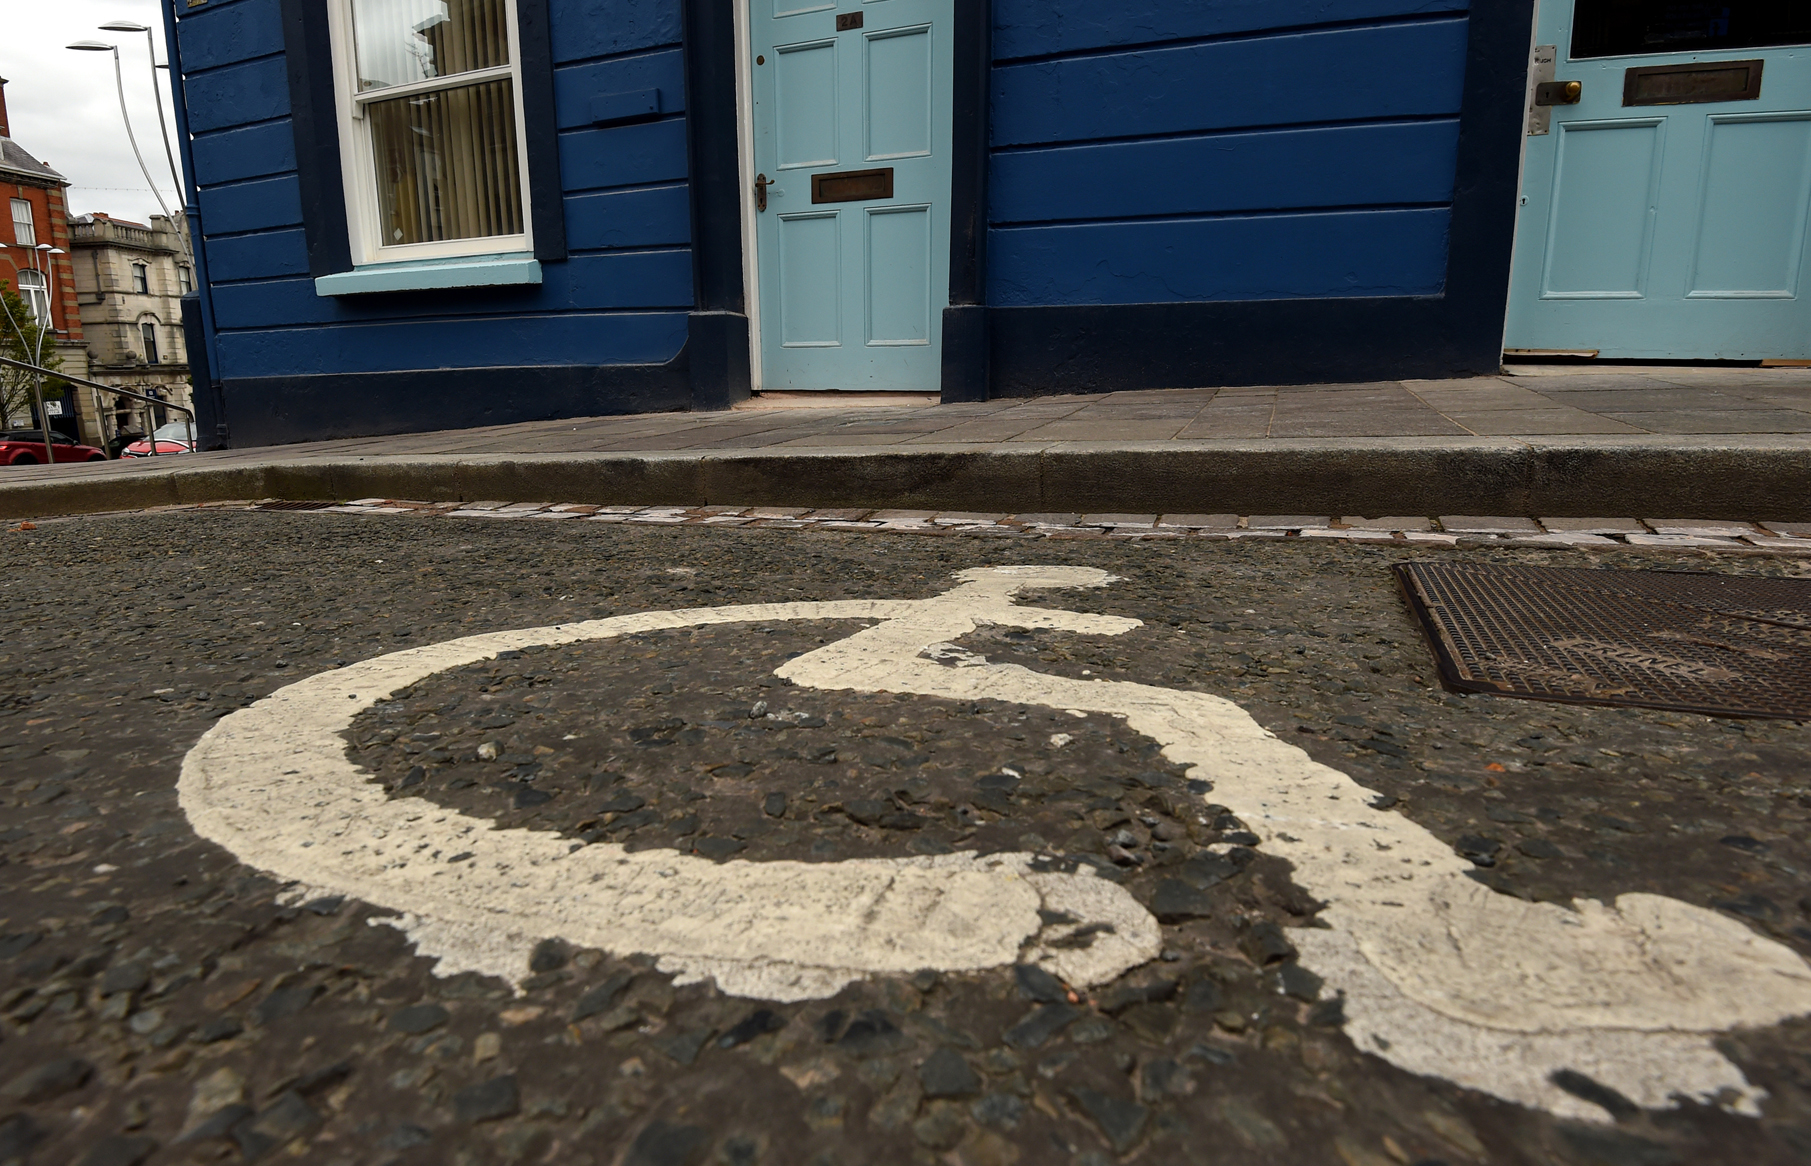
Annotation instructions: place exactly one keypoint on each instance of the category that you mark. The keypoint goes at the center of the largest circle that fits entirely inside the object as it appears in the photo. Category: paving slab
(1493, 524)
(1593, 525)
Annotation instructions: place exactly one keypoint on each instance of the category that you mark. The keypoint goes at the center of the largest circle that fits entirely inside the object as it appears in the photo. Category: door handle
(762, 182)
(1558, 93)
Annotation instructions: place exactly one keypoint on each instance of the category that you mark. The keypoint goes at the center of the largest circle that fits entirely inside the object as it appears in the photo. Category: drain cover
(294, 505)
(1731, 645)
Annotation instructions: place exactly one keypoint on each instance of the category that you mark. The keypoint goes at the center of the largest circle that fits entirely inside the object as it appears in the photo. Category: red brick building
(38, 214)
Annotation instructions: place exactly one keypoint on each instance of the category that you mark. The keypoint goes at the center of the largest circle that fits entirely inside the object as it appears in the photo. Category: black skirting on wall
(278, 410)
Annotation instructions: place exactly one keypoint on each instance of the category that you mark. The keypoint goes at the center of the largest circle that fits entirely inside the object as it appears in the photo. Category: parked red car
(25, 447)
(173, 437)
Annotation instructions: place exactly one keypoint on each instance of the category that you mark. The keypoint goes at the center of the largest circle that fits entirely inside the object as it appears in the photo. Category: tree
(21, 334)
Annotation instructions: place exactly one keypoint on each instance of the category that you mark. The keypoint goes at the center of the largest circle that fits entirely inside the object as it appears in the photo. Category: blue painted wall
(1163, 151)
(621, 297)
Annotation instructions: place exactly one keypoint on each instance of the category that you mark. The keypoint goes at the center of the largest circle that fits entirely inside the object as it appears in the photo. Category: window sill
(464, 271)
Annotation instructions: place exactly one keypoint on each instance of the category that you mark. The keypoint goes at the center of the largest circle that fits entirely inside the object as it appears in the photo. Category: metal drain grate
(1731, 645)
(294, 505)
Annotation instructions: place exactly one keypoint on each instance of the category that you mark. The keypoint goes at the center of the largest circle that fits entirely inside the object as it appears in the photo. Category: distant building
(129, 281)
(39, 217)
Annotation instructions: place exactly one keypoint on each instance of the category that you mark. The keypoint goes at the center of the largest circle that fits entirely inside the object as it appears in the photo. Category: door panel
(810, 270)
(853, 270)
(805, 104)
(1671, 230)
(1603, 195)
(899, 94)
(1757, 192)
(899, 275)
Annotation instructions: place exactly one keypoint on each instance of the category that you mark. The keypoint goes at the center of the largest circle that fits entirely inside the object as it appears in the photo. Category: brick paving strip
(1444, 530)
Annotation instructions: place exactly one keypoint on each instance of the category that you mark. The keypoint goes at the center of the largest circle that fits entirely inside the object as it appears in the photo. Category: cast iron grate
(1728, 645)
(294, 505)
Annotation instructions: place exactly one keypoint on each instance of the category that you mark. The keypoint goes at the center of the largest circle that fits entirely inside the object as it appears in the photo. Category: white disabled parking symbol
(1440, 975)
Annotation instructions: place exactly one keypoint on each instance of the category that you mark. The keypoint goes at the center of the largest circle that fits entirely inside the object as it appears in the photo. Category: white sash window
(431, 135)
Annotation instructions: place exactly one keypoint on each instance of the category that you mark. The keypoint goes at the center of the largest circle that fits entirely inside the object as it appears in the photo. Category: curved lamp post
(156, 92)
(96, 46)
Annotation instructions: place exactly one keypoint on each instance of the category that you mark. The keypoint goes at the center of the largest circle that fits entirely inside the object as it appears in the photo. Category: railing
(50, 450)
(119, 233)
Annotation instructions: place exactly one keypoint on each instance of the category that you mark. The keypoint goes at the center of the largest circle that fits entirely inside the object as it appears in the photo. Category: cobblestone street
(1068, 939)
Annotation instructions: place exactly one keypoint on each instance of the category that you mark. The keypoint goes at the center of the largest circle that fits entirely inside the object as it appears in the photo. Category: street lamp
(95, 46)
(48, 273)
(156, 92)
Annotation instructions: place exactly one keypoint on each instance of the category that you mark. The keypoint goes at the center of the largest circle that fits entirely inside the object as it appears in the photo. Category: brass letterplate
(1690, 84)
(852, 185)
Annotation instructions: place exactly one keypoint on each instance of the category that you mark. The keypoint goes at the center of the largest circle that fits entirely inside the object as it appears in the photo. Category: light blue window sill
(464, 271)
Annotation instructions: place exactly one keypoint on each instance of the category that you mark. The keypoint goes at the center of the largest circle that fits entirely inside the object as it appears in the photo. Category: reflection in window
(1605, 28)
(400, 42)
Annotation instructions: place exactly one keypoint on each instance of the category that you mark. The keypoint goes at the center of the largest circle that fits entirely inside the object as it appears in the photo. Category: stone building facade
(129, 281)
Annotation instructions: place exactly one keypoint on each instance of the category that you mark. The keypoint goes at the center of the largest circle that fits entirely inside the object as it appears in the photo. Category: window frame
(185, 279)
(147, 335)
(141, 278)
(29, 222)
(358, 167)
(35, 293)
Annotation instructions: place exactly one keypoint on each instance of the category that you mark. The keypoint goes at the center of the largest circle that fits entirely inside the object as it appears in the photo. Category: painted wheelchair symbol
(1440, 975)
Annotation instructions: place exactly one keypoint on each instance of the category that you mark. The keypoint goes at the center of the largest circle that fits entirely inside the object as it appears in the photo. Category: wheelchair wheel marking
(1440, 975)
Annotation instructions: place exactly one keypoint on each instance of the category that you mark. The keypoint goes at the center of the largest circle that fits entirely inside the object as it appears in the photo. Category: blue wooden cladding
(251, 206)
(1244, 257)
(1036, 28)
(252, 152)
(1143, 153)
(237, 95)
(532, 339)
(626, 208)
(1322, 166)
(578, 88)
(1176, 169)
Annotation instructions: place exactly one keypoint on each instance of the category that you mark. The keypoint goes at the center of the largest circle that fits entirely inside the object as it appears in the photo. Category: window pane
(140, 283)
(403, 41)
(23, 233)
(446, 164)
(1604, 28)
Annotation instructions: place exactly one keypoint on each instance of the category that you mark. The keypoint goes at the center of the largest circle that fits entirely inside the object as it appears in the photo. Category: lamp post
(156, 92)
(48, 273)
(119, 80)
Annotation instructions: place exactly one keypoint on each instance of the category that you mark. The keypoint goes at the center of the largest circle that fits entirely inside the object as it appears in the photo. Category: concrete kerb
(1702, 476)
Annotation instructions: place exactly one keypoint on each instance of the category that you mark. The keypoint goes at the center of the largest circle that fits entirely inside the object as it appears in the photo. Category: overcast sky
(65, 109)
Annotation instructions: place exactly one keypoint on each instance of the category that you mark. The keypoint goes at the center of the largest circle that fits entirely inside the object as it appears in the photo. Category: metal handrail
(50, 454)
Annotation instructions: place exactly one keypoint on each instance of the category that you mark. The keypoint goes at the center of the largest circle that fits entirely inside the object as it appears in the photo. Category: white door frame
(1521, 164)
(745, 153)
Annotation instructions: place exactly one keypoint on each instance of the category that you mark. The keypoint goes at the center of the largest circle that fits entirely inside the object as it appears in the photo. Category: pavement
(1718, 443)
(372, 835)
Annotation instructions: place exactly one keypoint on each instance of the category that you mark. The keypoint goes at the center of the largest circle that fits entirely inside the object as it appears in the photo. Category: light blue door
(1664, 214)
(852, 150)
